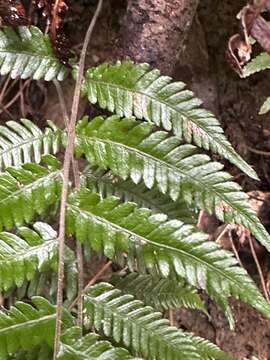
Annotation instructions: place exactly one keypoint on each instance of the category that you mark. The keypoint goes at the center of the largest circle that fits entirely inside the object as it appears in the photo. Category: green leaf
(160, 246)
(42, 352)
(24, 142)
(21, 258)
(128, 89)
(265, 108)
(26, 52)
(259, 63)
(44, 283)
(161, 294)
(25, 192)
(143, 330)
(25, 326)
(91, 346)
(105, 184)
(134, 149)
(32, 257)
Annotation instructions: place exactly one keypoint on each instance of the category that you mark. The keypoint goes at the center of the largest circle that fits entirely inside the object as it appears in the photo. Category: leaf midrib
(217, 137)
(123, 187)
(144, 240)
(183, 114)
(152, 332)
(22, 143)
(29, 54)
(199, 184)
(29, 251)
(52, 175)
(26, 323)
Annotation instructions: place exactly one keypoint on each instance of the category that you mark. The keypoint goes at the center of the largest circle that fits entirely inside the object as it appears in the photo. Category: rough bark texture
(155, 31)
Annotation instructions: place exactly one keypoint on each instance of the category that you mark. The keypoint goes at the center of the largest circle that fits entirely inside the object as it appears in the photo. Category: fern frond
(21, 258)
(142, 329)
(90, 346)
(24, 142)
(161, 294)
(25, 326)
(105, 184)
(27, 52)
(162, 247)
(259, 63)
(26, 191)
(132, 149)
(128, 89)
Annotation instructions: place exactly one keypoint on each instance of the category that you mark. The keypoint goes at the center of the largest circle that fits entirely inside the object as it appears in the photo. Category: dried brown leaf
(57, 33)
(54, 12)
(252, 23)
(45, 7)
(12, 13)
(261, 32)
(238, 53)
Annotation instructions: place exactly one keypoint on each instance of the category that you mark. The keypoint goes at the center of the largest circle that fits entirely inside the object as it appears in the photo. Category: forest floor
(234, 101)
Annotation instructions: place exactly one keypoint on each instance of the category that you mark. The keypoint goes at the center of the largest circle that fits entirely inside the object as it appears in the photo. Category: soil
(200, 62)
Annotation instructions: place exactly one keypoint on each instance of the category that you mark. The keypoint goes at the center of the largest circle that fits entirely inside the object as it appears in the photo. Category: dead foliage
(13, 13)
(252, 24)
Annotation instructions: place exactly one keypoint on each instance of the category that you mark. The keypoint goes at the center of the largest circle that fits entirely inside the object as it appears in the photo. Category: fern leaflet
(132, 149)
(24, 142)
(128, 89)
(44, 283)
(25, 326)
(90, 346)
(259, 63)
(27, 52)
(160, 246)
(26, 191)
(162, 294)
(21, 258)
(143, 330)
(105, 184)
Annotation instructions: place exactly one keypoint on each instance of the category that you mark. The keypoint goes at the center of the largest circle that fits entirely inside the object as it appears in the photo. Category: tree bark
(154, 31)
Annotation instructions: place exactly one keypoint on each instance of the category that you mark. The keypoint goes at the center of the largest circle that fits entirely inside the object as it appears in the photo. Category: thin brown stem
(62, 102)
(92, 282)
(15, 98)
(75, 168)
(79, 255)
(253, 252)
(3, 91)
(199, 222)
(22, 101)
(223, 232)
(258, 152)
(66, 168)
(76, 178)
(8, 89)
(172, 318)
(234, 248)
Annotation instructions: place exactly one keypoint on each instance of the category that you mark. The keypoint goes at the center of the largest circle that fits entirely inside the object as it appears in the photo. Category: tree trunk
(154, 31)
